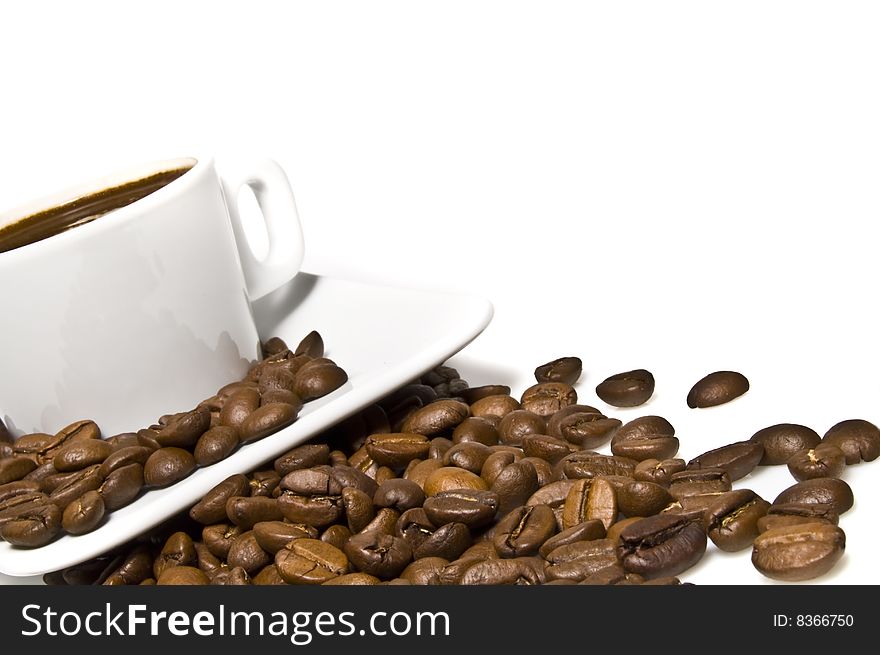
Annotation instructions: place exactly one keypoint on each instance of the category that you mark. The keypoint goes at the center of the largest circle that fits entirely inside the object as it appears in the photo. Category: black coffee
(82, 210)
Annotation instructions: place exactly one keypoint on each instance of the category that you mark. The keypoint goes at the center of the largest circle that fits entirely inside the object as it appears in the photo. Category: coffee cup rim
(118, 178)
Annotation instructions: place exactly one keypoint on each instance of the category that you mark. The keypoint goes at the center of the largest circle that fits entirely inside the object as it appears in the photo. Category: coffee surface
(82, 210)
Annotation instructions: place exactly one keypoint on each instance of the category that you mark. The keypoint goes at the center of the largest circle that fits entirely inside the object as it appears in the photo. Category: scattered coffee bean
(167, 466)
(648, 437)
(565, 369)
(627, 389)
(798, 552)
(732, 521)
(661, 545)
(858, 439)
(824, 461)
(831, 491)
(782, 442)
(717, 388)
(546, 398)
(737, 459)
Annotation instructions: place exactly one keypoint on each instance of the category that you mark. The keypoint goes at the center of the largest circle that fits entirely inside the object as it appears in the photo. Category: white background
(679, 186)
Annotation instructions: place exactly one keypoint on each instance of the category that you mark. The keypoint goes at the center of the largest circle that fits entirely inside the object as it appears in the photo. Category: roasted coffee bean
(832, 491)
(439, 446)
(206, 561)
(781, 442)
(359, 510)
(660, 472)
(824, 461)
(469, 455)
(122, 486)
(586, 531)
(497, 461)
(514, 485)
(274, 346)
(239, 406)
(134, 569)
(269, 575)
(436, 417)
(88, 479)
(215, 444)
(798, 552)
(310, 561)
(448, 541)
(276, 379)
(552, 495)
(452, 478)
(311, 345)
(786, 514)
(236, 576)
(518, 571)
(184, 430)
(336, 535)
(16, 505)
(662, 545)
(246, 511)
(18, 488)
(424, 571)
(647, 437)
(627, 389)
(738, 459)
(40, 475)
(182, 575)
(272, 536)
(555, 419)
(477, 429)
(565, 369)
(519, 423)
(587, 464)
(577, 560)
(33, 528)
(264, 483)
(498, 405)
(590, 499)
(543, 470)
(524, 530)
(397, 450)
(266, 420)
(414, 527)
(212, 507)
(550, 449)
(858, 439)
(473, 394)
(15, 468)
(77, 455)
(177, 551)
(640, 498)
(695, 507)
(123, 457)
(399, 494)
(379, 554)
(36, 445)
(588, 430)
(167, 466)
(474, 508)
(147, 439)
(732, 521)
(717, 388)
(246, 553)
(546, 398)
(419, 471)
(610, 575)
(318, 378)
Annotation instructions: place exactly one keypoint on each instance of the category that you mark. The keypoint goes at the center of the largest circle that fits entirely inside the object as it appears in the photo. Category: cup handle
(273, 193)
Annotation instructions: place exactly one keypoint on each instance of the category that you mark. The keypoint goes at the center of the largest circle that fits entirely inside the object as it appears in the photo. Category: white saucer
(383, 337)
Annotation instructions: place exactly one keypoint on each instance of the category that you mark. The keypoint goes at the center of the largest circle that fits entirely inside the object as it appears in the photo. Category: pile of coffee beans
(70, 481)
(441, 483)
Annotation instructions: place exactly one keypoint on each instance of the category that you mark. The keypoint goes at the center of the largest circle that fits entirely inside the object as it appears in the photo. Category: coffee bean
(660, 472)
(272, 536)
(640, 498)
(274, 346)
(277, 380)
(87, 479)
(123, 457)
(524, 530)
(122, 486)
(268, 575)
(302, 457)
(477, 429)
(514, 484)
(382, 555)
(552, 495)
(451, 478)
(732, 521)
(783, 441)
(473, 394)
(586, 531)
(498, 405)
(215, 444)
(212, 507)
(474, 508)
(497, 462)
(587, 464)
(738, 459)
(246, 553)
(318, 378)
(18, 488)
(184, 430)
(311, 345)
(546, 398)
(178, 550)
(336, 535)
(424, 571)
(799, 552)
(588, 430)
(717, 388)
(182, 575)
(399, 494)
(239, 406)
(699, 481)
(414, 527)
(77, 455)
(310, 561)
(565, 369)
(786, 514)
(858, 439)
(832, 491)
(824, 461)
(550, 449)
(577, 560)
(33, 528)
(419, 471)
(397, 450)
(266, 420)
(436, 417)
(661, 545)
(519, 423)
(15, 468)
(647, 437)
(627, 389)
(246, 511)
(610, 575)
(448, 542)
(167, 466)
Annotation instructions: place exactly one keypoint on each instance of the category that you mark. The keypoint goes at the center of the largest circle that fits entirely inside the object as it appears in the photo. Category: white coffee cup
(145, 310)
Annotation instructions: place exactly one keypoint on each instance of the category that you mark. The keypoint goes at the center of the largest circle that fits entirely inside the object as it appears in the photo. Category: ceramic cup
(145, 310)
